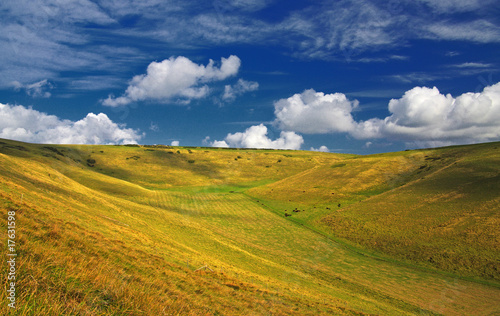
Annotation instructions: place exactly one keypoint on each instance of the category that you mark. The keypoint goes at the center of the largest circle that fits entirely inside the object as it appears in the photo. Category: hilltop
(106, 230)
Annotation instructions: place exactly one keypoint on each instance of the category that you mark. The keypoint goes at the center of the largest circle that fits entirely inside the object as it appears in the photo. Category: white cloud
(49, 39)
(473, 65)
(420, 106)
(479, 31)
(447, 6)
(206, 140)
(39, 39)
(422, 117)
(100, 82)
(323, 149)
(154, 127)
(220, 143)
(256, 137)
(225, 6)
(25, 124)
(174, 143)
(175, 78)
(381, 59)
(36, 89)
(216, 143)
(242, 86)
(417, 77)
(314, 112)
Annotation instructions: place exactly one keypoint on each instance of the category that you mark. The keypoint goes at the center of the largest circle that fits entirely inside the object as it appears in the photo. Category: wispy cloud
(154, 127)
(96, 82)
(444, 72)
(472, 65)
(231, 92)
(418, 77)
(381, 59)
(472, 68)
(377, 93)
(480, 31)
(42, 37)
(41, 40)
(38, 89)
(460, 6)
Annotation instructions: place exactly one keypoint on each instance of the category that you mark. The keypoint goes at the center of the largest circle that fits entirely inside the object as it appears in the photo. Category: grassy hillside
(440, 207)
(122, 230)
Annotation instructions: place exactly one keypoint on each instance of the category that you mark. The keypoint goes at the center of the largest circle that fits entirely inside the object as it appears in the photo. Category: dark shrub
(90, 162)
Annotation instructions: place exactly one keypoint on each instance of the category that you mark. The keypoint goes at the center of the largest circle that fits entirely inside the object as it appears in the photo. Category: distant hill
(440, 207)
(161, 230)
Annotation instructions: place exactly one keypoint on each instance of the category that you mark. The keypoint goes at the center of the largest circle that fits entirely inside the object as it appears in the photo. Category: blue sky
(342, 76)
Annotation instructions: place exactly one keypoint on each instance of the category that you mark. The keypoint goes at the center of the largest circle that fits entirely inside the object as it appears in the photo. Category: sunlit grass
(125, 236)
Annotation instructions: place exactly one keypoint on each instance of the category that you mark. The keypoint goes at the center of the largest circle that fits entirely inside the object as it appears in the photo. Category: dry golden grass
(115, 238)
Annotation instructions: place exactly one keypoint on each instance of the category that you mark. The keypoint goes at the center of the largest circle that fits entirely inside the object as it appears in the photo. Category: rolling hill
(159, 230)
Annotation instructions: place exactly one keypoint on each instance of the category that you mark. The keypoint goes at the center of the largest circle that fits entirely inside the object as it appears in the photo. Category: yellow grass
(126, 236)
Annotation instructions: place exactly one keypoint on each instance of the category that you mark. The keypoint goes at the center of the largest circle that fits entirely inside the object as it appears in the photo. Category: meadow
(160, 230)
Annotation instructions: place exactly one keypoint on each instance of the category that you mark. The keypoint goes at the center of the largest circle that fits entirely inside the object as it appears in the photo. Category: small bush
(53, 149)
(338, 165)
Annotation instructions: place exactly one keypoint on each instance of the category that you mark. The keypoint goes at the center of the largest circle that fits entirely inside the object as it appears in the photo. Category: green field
(124, 230)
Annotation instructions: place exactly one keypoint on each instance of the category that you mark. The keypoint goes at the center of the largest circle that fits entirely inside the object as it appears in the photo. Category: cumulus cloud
(231, 92)
(314, 112)
(216, 143)
(422, 116)
(36, 89)
(25, 124)
(175, 78)
(323, 149)
(220, 143)
(256, 137)
(175, 143)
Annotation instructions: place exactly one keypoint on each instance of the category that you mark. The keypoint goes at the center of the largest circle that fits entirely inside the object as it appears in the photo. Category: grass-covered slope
(448, 217)
(121, 230)
(438, 207)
